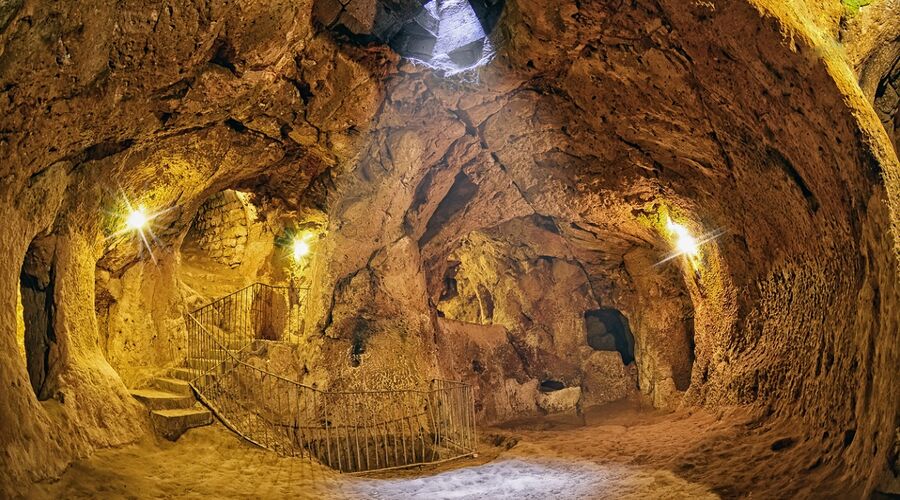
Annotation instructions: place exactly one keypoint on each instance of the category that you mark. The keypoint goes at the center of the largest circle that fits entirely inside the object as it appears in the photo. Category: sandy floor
(619, 451)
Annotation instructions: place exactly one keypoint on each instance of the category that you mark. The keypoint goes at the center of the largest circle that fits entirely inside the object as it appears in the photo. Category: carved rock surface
(559, 401)
(606, 379)
(466, 224)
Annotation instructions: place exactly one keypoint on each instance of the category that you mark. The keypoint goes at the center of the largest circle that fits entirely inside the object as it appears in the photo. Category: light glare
(301, 248)
(136, 219)
(685, 243)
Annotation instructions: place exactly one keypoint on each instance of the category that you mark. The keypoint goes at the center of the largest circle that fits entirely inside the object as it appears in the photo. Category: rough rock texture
(560, 400)
(606, 379)
(220, 228)
(165, 104)
(467, 224)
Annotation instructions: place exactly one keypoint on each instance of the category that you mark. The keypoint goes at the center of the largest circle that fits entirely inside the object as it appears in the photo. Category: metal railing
(351, 431)
(258, 311)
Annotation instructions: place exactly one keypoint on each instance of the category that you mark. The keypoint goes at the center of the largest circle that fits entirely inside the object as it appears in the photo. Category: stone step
(173, 385)
(192, 375)
(184, 374)
(173, 423)
(201, 363)
(161, 400)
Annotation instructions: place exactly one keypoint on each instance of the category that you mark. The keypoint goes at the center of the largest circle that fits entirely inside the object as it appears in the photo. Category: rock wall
(140, 317)
(220, 228)
(82, 393)
(887, 103)
(544, 179)
(162, 105)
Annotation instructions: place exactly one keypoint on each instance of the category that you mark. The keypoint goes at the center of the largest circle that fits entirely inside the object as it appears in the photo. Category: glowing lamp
(684, 243)
(136, 219)
(301, 248)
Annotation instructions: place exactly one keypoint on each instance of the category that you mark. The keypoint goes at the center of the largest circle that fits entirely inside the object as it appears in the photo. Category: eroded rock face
(560, 400)
(467, 224)
(607, 379)
(220, 228)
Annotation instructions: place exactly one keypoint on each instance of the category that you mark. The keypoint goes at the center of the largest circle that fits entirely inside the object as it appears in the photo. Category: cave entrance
(607, 330)
(37, 311)
(451, 35)
(551, 386)
(221, 250)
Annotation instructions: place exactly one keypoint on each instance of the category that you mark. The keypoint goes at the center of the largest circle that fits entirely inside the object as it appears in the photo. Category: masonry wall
(220, 229)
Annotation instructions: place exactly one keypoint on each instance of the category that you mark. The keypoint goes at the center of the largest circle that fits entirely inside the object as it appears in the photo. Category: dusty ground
(616, 451)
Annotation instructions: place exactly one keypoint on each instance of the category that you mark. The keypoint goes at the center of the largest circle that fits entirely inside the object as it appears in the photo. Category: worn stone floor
(617, 451)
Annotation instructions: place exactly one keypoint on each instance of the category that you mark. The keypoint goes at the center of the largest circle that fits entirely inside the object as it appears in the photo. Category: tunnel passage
(598, 116)
(36, 290)
(239, 264)
(607, 330)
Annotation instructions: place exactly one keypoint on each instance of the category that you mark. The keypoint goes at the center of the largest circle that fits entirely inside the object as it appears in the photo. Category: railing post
(442, 414)
(327, 432)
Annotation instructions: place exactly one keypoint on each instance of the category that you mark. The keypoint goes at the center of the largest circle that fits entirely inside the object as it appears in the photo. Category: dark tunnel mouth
(550, 385)
(607, 330)
(37, 316)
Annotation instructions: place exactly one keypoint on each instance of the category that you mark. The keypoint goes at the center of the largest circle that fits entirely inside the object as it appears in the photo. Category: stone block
(413, 45)
(327, 11)
(359, 16)
(606, 378)
(521, 398)
(559, 401)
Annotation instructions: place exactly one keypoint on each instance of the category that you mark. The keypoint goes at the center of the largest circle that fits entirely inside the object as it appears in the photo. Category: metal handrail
(238, 360)
(251, 285)
(351, 431)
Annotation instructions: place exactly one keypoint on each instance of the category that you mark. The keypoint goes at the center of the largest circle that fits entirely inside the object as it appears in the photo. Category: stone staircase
(172, 405)
(170, 399)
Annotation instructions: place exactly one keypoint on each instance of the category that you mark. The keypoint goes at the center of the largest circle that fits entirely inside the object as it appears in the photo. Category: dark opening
(551, 385)
(849, 435)
(36, 287)
(358, 341)
(450, 288)
(607, 330)
(682, 374)
(235, 125)
(268, 310)
(224, 55)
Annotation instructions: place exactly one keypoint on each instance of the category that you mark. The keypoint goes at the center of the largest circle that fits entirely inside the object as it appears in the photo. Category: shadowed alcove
(37, 305)
(607, 330)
